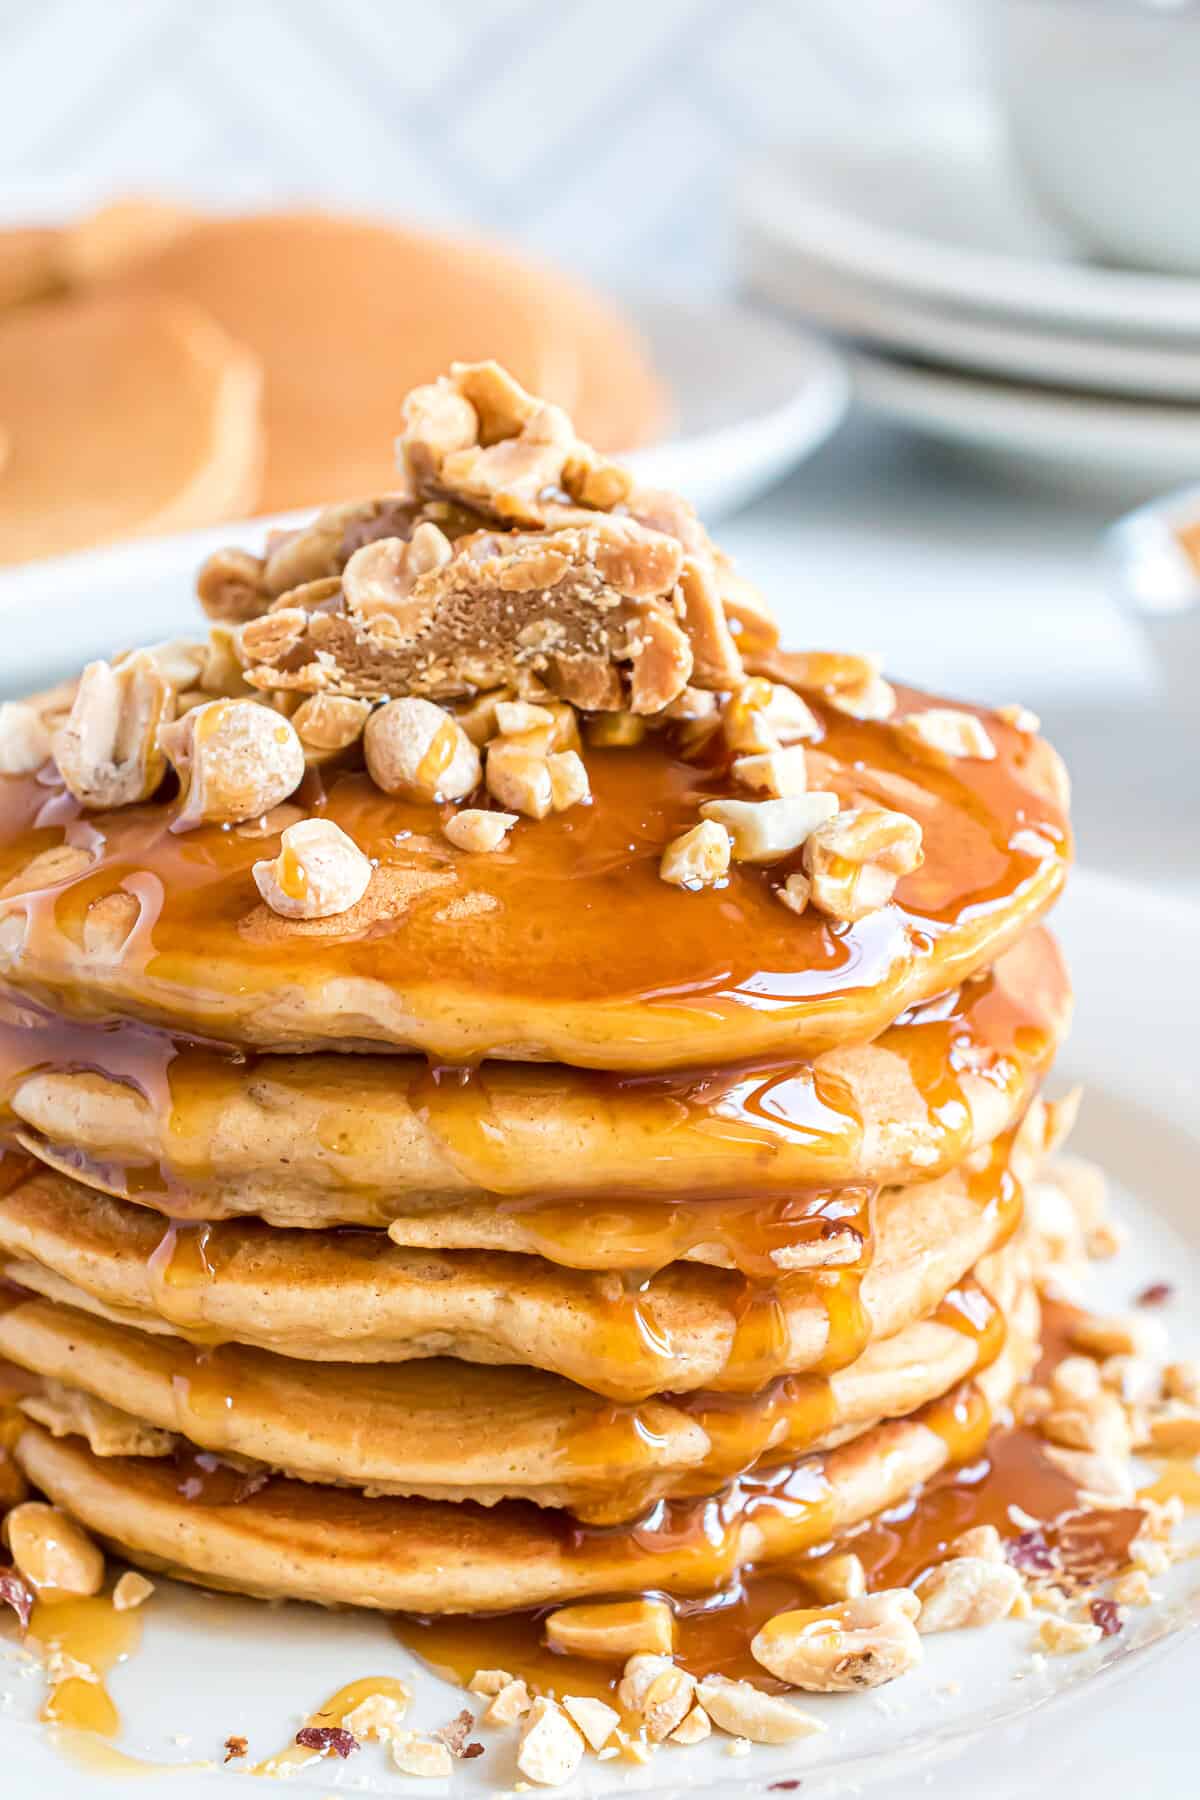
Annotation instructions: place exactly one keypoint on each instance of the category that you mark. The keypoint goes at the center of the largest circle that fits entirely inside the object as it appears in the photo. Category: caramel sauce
(332, 1713)
(578, 914)
(93, 1633)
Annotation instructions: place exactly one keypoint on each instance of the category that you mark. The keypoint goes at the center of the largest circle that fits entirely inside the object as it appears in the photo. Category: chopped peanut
(489, 1681)
(776, 773)
(1064, 1637)
(980, 1540)
(236, 760)
(795, 893)
(319, 872)
(596, 1720)
(131, 1590)
(419, 750)
(54, 1554)
(947, 733)
(833, 1578)
(612, 1629)
(860, 1643)
(519, 778)
(327, 723)
(569, 785)
(551, 1747)
(854, 860)
(478, 830)
(744, 1711)
(109, 752)
(966, 1590)
(693, 1728)
(516, 716)
(509, 1705)
(766, 830)
(1131, 1335)
(697, 858)
(377, 1717)
(414, 1755)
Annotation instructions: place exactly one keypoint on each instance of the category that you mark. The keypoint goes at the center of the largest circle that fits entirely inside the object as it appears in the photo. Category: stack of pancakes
(534, 1227)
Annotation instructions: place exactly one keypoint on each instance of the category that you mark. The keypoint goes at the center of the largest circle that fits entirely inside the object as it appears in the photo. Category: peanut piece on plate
(855, 858)
(697, 858)
(319, 872)
(765, 830)
(744, 1711)
(478, 830)
(24, 739)
(595, 1719)
(108, 752)
(1065, 1637)
(54, 1554)
(414, 1755)
(377, 1717)
(420, 751)
(612, 1629)
(795, 893)
(132, 1589)
(693, 1728)
(236, 759)
(509, 1705)
(966, 1590)
(489, 1681)
(979, 1540)
(551, 1747)
(861, 1643)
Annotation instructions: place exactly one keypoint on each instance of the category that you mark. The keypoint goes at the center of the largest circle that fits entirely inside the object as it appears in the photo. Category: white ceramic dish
(978, 1717)
(1132, 444)
(1016, 348)
(930, 204)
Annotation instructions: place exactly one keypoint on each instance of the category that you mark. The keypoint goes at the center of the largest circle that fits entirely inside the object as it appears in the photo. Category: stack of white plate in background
(969, 314)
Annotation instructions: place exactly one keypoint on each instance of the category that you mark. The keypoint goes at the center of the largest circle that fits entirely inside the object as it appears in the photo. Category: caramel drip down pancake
(519, 1157)
(352, 1296)
(626, 971)
(435, 1430)
(333, 1546)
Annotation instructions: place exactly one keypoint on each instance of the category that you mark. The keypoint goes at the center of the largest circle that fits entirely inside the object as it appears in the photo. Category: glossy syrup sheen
(574, 911)
(997, 1475)
(742, 1133)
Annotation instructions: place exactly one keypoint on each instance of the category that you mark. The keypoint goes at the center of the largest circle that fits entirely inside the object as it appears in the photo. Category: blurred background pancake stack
(534, 1226)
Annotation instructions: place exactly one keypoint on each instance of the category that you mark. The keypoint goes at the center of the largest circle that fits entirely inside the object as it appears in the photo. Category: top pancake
(566, 946)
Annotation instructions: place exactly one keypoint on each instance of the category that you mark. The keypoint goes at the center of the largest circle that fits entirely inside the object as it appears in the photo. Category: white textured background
(605, 134)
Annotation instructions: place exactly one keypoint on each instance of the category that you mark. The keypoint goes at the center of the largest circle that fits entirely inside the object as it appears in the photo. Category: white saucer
(1134, 445)
(928, 205)
(1009, 347)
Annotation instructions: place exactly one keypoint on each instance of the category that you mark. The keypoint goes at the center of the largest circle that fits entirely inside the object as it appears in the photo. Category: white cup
(1102, 99)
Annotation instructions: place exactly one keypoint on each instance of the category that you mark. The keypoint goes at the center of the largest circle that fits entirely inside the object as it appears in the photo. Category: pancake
(336, 1547)
(440, 1431)
(352, 1296)
(29, 263)
(125, 416)
(517, 1157)
(347, 314)
(625, 971)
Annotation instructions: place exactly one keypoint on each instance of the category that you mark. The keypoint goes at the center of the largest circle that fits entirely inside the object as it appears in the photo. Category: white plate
(928, 204)
(978, 1717)
(1138, 445)
(909, 324)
